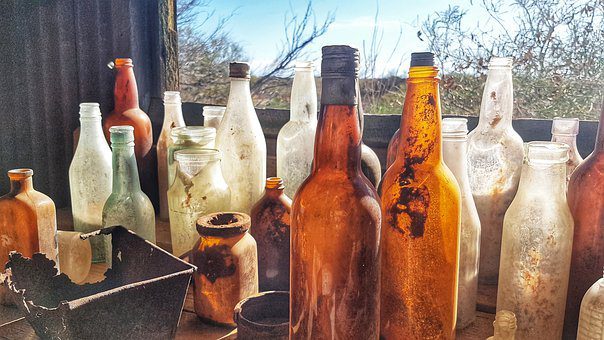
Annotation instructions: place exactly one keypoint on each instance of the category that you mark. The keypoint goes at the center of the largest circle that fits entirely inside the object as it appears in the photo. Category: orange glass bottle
(271, 230)
(586, 202)
(335, 242)
(421, 220)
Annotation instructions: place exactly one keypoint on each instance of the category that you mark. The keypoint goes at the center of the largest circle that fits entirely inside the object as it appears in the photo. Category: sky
(258, 25)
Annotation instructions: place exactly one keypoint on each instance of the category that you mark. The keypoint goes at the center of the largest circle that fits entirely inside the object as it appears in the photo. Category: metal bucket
(263, 316)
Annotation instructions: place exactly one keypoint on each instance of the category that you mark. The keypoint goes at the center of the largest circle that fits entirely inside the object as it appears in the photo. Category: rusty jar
(227, 265)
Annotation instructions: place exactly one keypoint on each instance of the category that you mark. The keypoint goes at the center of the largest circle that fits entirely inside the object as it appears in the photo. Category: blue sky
(258, 25)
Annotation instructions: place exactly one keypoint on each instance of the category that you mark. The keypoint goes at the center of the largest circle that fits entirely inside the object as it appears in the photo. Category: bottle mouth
(197, 155)
(213, 111)
(454, 127)
(304, 66)
(20, 173)
(90, 110)
(274, 183)
(223, 224)
(121, 134)
(120, 62)
(172, 97)
(565, 126)
(500, 62)
(194, 132)
(546, 153)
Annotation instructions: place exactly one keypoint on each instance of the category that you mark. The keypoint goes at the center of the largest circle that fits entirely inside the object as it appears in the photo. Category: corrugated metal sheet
(54, 56)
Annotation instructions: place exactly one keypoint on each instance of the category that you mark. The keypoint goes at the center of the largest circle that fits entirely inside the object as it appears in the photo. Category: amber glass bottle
(270, 229)
(335, 262)
(421, 220)
(586, 202)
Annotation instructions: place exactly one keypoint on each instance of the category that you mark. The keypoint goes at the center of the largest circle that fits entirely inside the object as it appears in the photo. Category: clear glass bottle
(591, 316)
(504, 326)
(188, 137)
(370, 163)
(495, 154)
(241, 141)
(565, 130)
(296, 139)
(198, 189)
(421, 207)
(172, 118)
(455, 147)
(127, 205)
(536, 245)
(393, 148)
(75, 255)
(212, 116)
(90, 177)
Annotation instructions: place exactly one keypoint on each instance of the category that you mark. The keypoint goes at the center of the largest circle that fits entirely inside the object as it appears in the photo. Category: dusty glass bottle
(536, 245)
(336, 219)
(212, 116)
(90, 177)
(370, 163)
(198, 189)
(172, 118)
(28, 221)
(591, 316)
(127, 205)
(455, 147)
(188, 137)
(421, 205)
(495, 156)
(226, 261)
(271, 230)
(296, 139)
(586, 202)
(393, 148)
(241, 141)
(504, 326)
(565, 130)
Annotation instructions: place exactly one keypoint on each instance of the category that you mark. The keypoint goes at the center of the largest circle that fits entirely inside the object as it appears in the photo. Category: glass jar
(212, 116)
(197, 190)
(591, 316)
(227, 266)
(565, 130)
(536, 245)
(188, 137)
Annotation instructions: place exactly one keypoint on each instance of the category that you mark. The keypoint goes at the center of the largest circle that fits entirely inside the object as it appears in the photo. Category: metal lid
(422, 59)
(339, 61)
(223, 224)
(239, 70)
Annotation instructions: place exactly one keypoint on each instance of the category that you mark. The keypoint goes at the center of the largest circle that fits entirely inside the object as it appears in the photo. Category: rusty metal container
(263, 316)
(141, 297)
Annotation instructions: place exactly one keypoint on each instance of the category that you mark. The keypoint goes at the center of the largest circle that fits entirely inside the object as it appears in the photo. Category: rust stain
(215, 262)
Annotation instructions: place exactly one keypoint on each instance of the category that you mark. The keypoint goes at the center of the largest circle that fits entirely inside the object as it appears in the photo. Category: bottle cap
(422, 59)
(339, 61)
(123, 62)
(565, 126)
(121, 134)
(239, 70)
(172, 97)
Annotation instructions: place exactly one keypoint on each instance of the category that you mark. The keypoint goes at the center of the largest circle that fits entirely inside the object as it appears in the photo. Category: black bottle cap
(239, 70)
(422, 59)
(339, 61)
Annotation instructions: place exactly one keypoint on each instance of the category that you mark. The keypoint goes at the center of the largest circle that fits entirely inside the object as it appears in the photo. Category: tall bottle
(335, 229)
(421, 205)
(495, 154)
(586, 202)
(28, 222)
(565, 130)
(455, 147)
(591, 316)
(241, 141)
(295, 142)
(172, 118)
(127, 205)
(536, 245)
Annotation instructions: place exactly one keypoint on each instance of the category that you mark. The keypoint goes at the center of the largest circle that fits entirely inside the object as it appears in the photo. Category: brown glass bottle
(271, 229)
(335, 259)
(586, 202)
(421, 220)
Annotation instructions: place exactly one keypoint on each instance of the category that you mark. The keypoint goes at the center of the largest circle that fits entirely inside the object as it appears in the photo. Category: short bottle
(90, 177)
(591, 316)
(455, 146)
(495, 154)
(271, 229)
(241, 141)
(296, 139)
(504, 326)
(188, 137)
(565, 130)
(536, 245)
(28, 222)
(127, 205)
(172, 118)
(226, 260)
(197, 190)
(212, 116)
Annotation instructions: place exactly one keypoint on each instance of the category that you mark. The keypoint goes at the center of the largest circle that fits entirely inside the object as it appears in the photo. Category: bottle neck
(173, 116)
(303, 97)
(239, 96)
(125, 91)
(125, 171)
(600, 137)
(496, 108)
(91, 131)
(274, 192)
(18, 186)
(570, 140)
(543, 180)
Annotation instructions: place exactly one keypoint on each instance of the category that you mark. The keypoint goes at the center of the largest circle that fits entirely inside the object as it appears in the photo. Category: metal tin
(263, 316)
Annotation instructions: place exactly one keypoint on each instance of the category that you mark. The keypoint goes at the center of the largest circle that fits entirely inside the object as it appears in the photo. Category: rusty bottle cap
(339, 61)
(239, 70)
(223, 224)
(422, 59)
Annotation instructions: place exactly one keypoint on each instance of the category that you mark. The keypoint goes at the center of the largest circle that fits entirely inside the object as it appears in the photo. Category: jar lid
(223, 224)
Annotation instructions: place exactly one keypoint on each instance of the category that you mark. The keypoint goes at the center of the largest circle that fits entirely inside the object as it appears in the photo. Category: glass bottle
(586, 202)
(172, 118)
(271, 230)
(565, 130)
(212, 116)
(90, 177)
(370, 163)
(28, 222)
(188, 137)
(393, 148)
(199, 189)
(335, 222)
(75, 255)
(455, 147)
(421, 205)
(127, 112)
(296, 139)
(495, 154)
(536, 245)
(591, 317)
(241, 141)
(127, 205)
(504, 326)
(226, 260)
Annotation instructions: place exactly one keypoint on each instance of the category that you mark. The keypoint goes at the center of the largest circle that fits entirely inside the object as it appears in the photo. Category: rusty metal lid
(339, 61)
(223, 224)
(239, 70)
